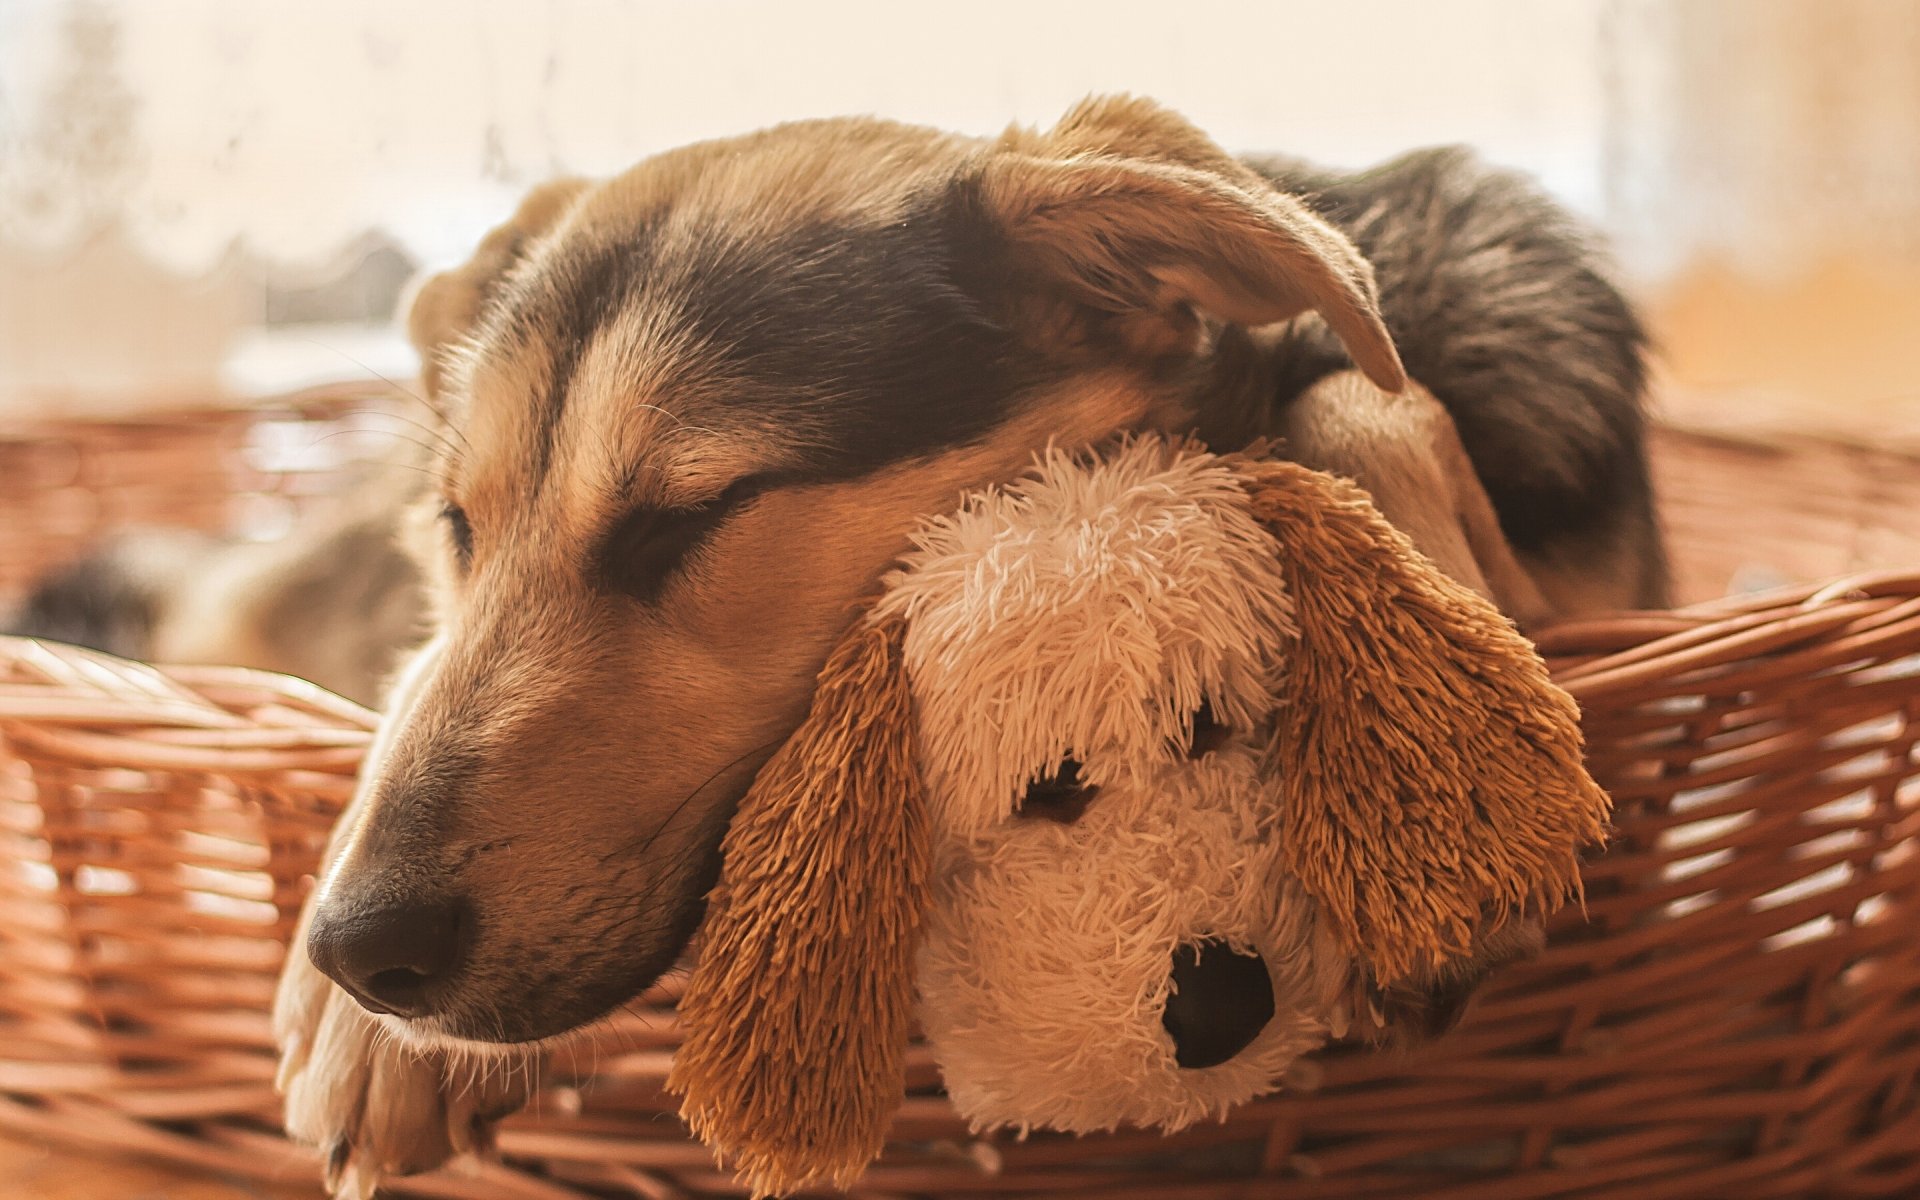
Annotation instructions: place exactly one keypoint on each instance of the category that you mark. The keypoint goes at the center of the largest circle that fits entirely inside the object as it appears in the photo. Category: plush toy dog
(1153, 772)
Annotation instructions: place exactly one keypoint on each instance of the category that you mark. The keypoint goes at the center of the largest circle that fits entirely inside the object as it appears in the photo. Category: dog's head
(694, 413)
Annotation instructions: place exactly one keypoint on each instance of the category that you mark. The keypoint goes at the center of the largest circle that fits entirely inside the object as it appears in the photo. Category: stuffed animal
(1145, 776)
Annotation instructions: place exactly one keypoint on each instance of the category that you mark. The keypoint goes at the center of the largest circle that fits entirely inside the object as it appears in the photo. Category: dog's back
(1501, 306)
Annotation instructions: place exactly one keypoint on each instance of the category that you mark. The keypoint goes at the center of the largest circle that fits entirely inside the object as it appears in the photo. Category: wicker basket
(1737, 1014)
(222, 469)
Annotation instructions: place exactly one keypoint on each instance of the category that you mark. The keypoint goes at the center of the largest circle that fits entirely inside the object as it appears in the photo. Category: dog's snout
(1221, 1001)
(393, 956)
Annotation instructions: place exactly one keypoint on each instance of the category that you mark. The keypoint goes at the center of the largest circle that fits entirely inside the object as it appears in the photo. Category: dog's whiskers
(637, 907)
(704, 784)
(679, 420)
(441, 442)
(425, 447)
(399, 387)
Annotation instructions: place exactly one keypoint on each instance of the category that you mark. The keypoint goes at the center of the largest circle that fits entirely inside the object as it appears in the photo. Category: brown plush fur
(1428, 772)
(797, 1015)
(1405, 451)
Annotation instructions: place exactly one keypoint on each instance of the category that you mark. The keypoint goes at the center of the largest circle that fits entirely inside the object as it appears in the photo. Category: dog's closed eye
(648, 545)
(459, 531)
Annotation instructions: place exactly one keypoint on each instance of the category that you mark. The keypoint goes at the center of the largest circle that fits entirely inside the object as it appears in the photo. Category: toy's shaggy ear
(1429, 772)
(1130, 212)
(797, 1014)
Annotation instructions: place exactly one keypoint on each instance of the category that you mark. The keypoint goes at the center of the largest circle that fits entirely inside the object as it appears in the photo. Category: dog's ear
(1131, 214)
(798, 1011)
(1428, 772)
(444, 307)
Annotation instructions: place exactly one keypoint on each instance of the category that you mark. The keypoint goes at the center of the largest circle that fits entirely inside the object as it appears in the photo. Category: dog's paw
(375, 1105)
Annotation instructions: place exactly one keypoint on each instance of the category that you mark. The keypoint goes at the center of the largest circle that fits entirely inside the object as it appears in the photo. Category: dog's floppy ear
(1128, 211)
(797, 1013)
(444, 307)
(1429, 774)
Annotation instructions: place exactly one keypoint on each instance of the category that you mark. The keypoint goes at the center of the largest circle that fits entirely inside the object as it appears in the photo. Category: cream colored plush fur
(1389, 797)
(1088, 611)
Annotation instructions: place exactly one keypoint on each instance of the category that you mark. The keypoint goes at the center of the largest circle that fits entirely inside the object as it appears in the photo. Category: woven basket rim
(1614, 1065)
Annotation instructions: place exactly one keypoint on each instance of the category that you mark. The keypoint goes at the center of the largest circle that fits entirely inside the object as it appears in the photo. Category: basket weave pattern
(1739, 1013)
(64, 485)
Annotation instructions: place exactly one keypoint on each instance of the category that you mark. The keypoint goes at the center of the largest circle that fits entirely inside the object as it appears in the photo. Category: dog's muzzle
(395, 957)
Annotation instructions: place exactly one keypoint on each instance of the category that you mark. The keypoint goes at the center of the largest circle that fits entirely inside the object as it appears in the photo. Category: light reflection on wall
(208, 158)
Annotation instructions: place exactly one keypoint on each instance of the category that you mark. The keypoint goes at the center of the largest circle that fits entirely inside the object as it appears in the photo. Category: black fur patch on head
(559, 310)
(858, 335)
(848, 341)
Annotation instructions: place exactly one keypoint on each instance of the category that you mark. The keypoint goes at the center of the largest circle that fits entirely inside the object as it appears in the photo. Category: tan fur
(1404, 450)
(1242, 258)
(374, 1105)
(444, 307)
(564, 756)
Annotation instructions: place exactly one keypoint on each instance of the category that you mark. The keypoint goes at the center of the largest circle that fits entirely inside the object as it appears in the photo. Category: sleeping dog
(696, 409)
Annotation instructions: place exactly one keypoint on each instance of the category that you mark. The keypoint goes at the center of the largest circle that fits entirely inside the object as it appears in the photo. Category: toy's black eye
(650, 544)
(1059, 796)
(1208, 733)
(460, 532)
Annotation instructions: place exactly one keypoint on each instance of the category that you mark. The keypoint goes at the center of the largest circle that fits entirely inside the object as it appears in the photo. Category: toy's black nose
(1221, 1001)
(393, 956)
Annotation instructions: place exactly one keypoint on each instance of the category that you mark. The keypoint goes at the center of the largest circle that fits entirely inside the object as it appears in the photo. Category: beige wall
(98, 328)
(1767, 134)
(1773, 145)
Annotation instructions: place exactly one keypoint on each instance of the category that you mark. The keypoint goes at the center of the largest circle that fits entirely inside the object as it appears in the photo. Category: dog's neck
(1238, 392)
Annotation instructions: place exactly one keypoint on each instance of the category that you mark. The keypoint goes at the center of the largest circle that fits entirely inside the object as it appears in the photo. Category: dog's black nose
(391, 956)
(1221, 1001)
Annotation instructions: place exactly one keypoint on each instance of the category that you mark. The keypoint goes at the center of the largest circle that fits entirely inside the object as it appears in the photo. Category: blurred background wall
(218, 198)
